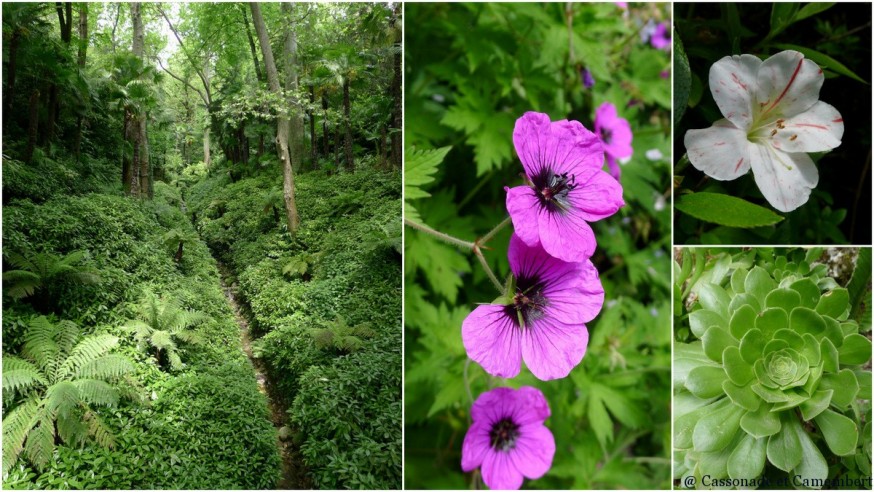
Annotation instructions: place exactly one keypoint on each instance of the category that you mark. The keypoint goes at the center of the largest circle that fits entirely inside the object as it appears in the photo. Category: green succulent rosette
(773, 375)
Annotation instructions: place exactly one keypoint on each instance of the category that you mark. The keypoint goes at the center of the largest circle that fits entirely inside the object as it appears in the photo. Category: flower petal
(597, 195)
(733, 85)
(785, 179)
(788, 85)
(562, 146)
(476, 444)
(492, 339)
(493, 405)
(575, 295)
(613, 166)
(721, 151)
(528, 406)
(524, 207)
(566, 235)
(818, 129)
(551, 348)
(606, 118)
(534, 450)
(499, 472)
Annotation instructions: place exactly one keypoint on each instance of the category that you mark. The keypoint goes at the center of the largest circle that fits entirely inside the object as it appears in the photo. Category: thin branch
(187, 55)
(180, 79)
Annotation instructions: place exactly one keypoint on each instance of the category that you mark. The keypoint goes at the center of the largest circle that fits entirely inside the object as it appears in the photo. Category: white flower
(773, 117)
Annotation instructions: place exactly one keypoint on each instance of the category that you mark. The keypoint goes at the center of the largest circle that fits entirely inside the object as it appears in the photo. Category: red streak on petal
(738, 82)
(717, 144)
(812, 126)
(738, 164)
(820, 70)
(786, 89)
(838, 120)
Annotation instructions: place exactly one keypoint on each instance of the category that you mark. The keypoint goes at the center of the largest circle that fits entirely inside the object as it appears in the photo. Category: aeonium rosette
(776, 370)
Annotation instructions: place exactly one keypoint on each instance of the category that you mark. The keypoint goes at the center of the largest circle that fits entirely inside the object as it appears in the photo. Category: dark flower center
(528, 302)
(606, 135)
(504, 434)
(552, 189)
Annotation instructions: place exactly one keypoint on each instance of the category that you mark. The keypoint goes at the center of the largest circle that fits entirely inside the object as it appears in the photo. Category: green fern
(301, 265)
(339, 336)
(176, 238)
(54, 385)
(160, 324)
(37, 276)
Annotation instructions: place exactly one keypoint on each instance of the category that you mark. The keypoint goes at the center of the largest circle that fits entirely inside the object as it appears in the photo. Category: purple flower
(615, 133)
(567, 188)
(622, 5)
(507, 438)
(661, 37)
(541, 320)
(588, 79)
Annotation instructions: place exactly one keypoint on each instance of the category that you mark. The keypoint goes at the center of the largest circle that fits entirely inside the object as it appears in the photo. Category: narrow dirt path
(294, 474)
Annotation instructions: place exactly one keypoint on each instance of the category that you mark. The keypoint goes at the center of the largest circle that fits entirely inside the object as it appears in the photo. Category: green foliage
(38, 275)
(771, 378)
(725, 210)
(55, 387)
(301, 265)
(161, 323)
(339, 336)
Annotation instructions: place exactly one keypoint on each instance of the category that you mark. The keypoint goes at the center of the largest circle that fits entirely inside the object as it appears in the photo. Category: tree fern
(37, 276)
(340, 336)
(53, 386)
(161, 323)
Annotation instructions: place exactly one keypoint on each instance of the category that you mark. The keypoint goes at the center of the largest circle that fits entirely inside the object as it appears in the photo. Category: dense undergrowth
(326, 305)
(205, 426)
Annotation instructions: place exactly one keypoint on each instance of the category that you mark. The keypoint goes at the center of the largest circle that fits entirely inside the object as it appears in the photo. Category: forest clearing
(201, 245)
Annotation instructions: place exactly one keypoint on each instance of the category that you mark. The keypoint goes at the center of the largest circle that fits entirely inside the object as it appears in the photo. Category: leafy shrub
(773, 377)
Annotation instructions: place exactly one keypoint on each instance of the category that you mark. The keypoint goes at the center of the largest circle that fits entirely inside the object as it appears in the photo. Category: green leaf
(717, 429)
(725, 210)
(742, 396)
(701, 320)
(419, 169)
(684, 425)
(840, 432)
(813, 466)
(787, 299)
(738, 370)
(751, 346)
(759, 283)
(714, 298)
(859, 287)
(715, 341)
(805, 320)
(761, 423)
(816, 404)
(705, 381)
(782, 16)
(811, 9)
(784, 447)
(834, 303)
(748, 459)
(845, 386)
(682, 79)
(828, 355)
(821, 59)
(809, 292)
(742, 321)
(770, 320)
(856, 350)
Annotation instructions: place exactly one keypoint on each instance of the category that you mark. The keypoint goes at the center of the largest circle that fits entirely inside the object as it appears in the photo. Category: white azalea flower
(773, 117)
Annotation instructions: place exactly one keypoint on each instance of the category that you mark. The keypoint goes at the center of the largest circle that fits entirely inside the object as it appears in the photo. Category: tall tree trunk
(206, 156)
(349, 164)
(32, 125)
(397, 114)
(258, 73)
(314, 145)
(137, 134)
(10, 77)
(207, 159)
(338, 144)
(83, 50)
(295, 142)
(126, 164)
(282, 125)
(326, 136)
(65, 19)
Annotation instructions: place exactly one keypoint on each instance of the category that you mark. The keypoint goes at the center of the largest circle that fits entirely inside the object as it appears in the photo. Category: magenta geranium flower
(542, 320)
(507, 438)
(661, 37)
(567, 189)
(615, 133)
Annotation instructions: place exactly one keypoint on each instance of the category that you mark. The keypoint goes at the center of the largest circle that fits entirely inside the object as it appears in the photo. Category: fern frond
(85, 351)
(105, 367)
(16, 425)
(60, 399)
(175, 361)
(98, 430)
(21, 283)
(87, 277)
(40, 345)
(19, 374)
(161, 340)
(67, 334)
(187, 319)
(97, 392)
(71, 430)
(40, 443)
(189, 336)
(140, 329)
(20, 261)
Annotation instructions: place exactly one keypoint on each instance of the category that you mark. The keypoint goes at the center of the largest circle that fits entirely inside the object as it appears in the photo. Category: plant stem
(439, 235)
(489, 272)
(467, 384)
(681, 164)
(494, 231)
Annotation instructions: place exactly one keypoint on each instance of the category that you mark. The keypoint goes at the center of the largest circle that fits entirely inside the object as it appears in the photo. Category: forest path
(294, 475)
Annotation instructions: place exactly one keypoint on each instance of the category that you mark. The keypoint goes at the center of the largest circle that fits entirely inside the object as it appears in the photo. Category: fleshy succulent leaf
(748, 458)
(839, 431)
(813, 466)
(716, 340)
(845, 385)
(761, 423)
(717, 429)
(706, 382)
(751, 345)
(701, 320)
(828, 355)
(714, 298)
(738, 370)
(742, 396)
(809, 292)
(784, 447)
(770, 320)
(856, 350)
(785, 299)
(759, 283)
(743, 319)
(816, 404)
(835, 304)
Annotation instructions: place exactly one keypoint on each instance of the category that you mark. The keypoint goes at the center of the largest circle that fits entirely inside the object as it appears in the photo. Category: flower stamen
(504, 434)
